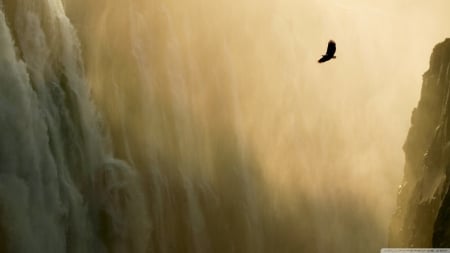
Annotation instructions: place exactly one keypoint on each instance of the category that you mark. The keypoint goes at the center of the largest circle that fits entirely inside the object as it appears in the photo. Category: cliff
(422, 217)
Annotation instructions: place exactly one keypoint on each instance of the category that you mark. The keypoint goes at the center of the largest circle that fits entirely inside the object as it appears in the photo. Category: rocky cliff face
(422, 218)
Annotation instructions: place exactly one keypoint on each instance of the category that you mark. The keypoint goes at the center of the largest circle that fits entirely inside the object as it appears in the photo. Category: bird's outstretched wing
(331, 48)
(324, 58)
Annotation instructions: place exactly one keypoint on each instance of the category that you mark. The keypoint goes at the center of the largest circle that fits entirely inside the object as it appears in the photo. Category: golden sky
(331, 131)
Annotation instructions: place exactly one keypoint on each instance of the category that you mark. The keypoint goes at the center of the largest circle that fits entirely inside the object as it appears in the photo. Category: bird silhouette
(331, 49)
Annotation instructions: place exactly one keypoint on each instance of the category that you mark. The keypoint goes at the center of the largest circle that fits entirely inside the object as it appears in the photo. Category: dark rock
(422, 217)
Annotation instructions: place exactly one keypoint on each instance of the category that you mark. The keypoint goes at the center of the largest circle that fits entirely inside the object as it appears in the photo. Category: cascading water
(61, 189)
(59, 183)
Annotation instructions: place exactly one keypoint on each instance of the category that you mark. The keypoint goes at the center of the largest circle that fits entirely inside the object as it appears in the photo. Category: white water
(56, 175)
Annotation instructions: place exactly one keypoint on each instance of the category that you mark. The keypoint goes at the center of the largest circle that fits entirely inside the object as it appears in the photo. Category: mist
(327, 139)
(212, 128)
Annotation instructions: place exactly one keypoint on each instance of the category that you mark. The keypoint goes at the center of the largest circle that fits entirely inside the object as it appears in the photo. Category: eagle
(331, 49)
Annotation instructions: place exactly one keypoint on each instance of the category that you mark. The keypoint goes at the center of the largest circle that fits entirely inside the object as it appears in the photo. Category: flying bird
(331, 49)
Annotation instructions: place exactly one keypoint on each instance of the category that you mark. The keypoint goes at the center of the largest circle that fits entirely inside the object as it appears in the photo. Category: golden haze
(169, 75)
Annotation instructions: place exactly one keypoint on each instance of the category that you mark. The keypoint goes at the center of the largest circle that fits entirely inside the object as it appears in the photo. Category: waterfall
(59, 183)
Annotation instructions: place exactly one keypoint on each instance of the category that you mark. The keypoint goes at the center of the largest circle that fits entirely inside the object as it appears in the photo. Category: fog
(194, 87)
